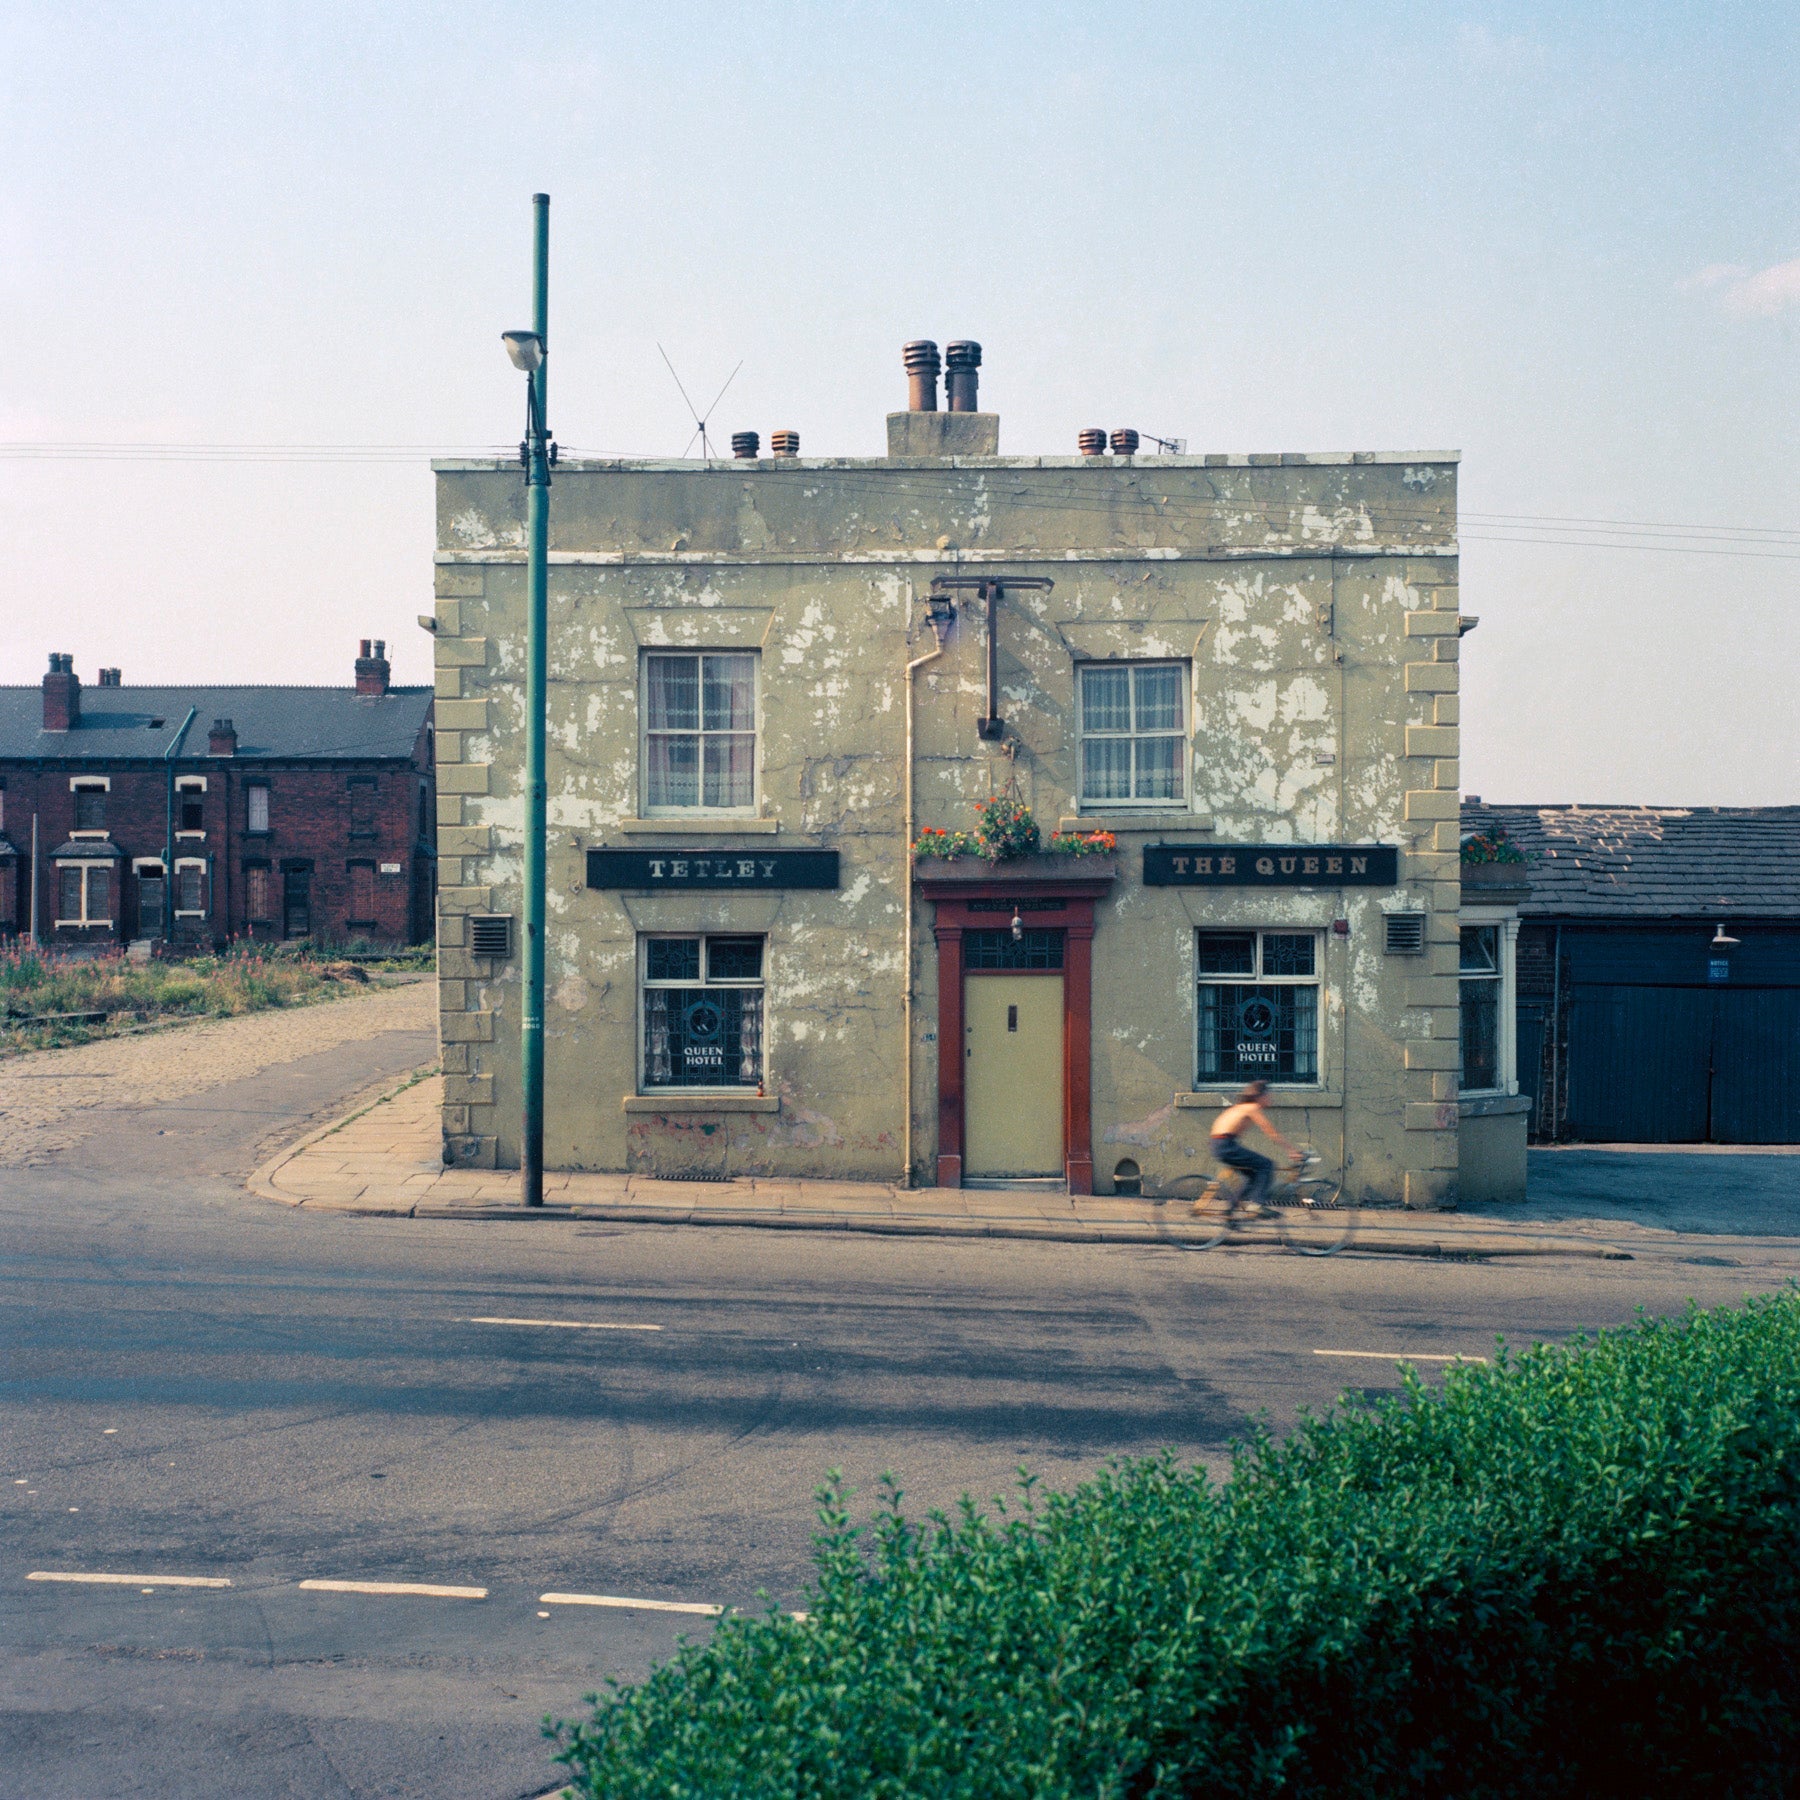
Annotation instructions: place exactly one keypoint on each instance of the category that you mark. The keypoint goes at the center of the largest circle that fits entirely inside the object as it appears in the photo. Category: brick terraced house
(190, 816)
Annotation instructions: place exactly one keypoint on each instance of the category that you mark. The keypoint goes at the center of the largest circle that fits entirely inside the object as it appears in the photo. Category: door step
(1018, 1184)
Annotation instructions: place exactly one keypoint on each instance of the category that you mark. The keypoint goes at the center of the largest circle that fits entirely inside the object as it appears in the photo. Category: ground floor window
(258, 899)
(84, 893)
(1479, 992)
(703, 1012)
(1258, 1006)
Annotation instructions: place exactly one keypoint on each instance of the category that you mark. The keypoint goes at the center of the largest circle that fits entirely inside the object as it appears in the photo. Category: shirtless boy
(1227, 1145)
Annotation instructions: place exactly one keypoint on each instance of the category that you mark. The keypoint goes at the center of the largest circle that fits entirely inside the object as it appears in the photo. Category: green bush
(1574, 1573)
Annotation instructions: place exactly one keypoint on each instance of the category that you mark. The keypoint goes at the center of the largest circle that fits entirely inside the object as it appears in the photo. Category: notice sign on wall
(1271, 865)
(712, 869)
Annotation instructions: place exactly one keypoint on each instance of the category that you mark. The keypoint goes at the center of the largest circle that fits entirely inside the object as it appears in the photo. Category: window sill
(708, 824)
(189, 915)
(1491, 1103)
(1136, 821)
(702, 1103)
(190, 837)
(98, 836)
(82, 925)
(1278, 1099)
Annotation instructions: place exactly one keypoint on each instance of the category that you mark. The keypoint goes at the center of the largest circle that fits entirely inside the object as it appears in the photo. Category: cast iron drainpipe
(991, 588)
(906, 914)
(169, 756)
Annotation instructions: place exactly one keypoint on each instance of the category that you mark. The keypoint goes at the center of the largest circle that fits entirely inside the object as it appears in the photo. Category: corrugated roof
(1648, 862)
(142, 722)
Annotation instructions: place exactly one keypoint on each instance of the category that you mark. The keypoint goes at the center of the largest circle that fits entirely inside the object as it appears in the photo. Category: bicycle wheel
(1191, 1223)
(1313, 1217)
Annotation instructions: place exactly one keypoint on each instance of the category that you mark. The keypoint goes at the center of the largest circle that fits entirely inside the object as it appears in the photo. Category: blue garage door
(1640, 1065)
(1683, 1065)
(1756, 1066)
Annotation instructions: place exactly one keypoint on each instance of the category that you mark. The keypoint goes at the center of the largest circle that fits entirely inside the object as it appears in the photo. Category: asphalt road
(200, 1385)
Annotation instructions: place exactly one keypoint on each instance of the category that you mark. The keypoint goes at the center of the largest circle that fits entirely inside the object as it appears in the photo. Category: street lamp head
(526, 349)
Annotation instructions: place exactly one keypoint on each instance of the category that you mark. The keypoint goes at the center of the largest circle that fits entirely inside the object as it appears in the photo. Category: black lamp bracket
(990, 588)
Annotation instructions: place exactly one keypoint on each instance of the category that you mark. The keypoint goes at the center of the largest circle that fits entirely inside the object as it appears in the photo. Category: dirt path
(44, 1095)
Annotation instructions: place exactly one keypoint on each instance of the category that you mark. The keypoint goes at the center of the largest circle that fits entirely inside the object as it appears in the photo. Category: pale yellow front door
(1013, 1075)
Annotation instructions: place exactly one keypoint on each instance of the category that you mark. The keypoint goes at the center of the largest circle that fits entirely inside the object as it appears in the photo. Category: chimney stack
(110, 678)
(745, 444)
(222, 739)
(372, 671)
(921, 360)
(784, 443)
(62, 693)
(1092, 441)
(962, 364)
(923, 431)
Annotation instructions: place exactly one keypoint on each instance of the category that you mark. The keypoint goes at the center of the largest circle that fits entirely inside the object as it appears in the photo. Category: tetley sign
(1271, 865)
(712, 869)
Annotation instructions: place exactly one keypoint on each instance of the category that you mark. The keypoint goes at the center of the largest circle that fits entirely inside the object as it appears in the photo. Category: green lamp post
(528, 350)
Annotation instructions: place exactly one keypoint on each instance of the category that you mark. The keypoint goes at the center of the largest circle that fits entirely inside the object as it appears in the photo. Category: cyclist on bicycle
(1227, 1145)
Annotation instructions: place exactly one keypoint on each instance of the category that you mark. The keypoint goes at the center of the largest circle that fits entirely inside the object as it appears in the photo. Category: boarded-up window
(190, 889)
(256, 885)
(362, 894)
(90, 809)
(256, 813)
(83, 894)
(362, 807)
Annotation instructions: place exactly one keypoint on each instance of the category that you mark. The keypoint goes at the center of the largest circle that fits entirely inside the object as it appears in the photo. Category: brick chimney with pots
(62, 694)
(924, 431)
(372, 671)
(222, 739)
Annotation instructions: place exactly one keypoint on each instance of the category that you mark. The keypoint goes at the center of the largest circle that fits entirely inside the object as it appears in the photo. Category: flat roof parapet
(1323, 459)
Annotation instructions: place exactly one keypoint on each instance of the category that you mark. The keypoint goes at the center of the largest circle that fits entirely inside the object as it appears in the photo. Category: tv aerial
(699, 418)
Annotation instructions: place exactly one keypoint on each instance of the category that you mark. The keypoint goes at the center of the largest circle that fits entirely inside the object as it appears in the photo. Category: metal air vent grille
(491, 935)
(1406, 934)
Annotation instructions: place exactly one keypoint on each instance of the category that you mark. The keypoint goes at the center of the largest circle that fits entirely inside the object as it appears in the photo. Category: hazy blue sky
(1561, 238)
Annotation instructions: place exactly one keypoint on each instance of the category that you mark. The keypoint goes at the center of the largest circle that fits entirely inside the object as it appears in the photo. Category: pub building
(1223, 687)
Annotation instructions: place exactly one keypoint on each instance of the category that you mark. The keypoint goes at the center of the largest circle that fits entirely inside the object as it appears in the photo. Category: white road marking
(145, 1582)
(676, 1606)
(430, 1590)
(565, 1324)
(1401, 1356)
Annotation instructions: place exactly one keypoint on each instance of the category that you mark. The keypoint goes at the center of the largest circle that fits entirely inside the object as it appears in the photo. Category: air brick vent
(1406, 934)
(491, 935)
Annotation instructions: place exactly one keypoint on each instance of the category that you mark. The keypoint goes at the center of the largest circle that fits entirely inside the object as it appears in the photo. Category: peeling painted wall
(1315, 600)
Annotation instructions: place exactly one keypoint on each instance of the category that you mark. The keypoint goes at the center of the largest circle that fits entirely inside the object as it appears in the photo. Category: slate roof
(140, 723)
(1653, 862)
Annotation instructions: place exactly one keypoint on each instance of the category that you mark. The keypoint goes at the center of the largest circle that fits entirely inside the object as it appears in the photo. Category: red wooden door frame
(1065, 905)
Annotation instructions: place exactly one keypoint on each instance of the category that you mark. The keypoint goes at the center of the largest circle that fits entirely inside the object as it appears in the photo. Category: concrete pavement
(384, 1158)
